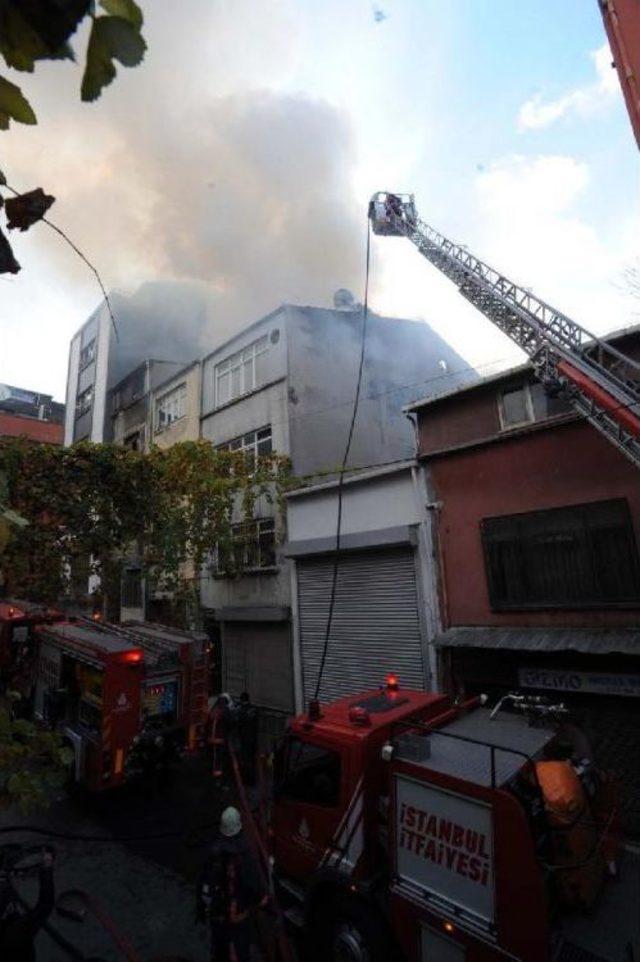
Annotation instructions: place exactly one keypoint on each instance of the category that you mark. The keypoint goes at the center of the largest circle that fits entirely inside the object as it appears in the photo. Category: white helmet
(230, 822)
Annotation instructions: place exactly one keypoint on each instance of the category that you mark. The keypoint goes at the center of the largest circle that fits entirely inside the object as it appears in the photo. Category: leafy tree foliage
(35, 30)
(33, 762)
(94, 504)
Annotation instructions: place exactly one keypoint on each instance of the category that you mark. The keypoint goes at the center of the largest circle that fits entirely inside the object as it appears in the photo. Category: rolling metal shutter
(375, 628)
(257, 659)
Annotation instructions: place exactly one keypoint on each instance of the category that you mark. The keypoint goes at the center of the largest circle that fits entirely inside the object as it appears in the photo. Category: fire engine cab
(407, 827)
(17, 621)
(103, 686)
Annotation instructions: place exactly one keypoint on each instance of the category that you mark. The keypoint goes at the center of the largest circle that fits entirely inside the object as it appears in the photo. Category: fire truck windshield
(308, 773)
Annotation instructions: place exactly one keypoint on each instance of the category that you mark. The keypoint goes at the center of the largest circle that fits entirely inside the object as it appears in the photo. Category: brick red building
(537, 521)
(20, 425)
(31, 415)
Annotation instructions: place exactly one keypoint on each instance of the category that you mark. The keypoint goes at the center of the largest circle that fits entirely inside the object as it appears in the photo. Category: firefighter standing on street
(19, 925)
(229, 891)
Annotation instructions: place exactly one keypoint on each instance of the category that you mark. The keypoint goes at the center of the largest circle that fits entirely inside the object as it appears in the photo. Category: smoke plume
(197, 167)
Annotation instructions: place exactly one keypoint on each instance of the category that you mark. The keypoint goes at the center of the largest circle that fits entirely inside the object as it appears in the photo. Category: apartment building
(286, 384)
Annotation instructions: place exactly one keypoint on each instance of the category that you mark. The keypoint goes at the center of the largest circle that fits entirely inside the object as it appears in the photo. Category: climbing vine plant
(89, 506)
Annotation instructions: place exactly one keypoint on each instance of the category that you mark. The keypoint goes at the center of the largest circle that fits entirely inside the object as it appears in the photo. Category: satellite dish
(343, 300)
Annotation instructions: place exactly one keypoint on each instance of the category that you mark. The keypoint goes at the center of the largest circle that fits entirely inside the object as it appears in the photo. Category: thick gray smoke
(191, 168)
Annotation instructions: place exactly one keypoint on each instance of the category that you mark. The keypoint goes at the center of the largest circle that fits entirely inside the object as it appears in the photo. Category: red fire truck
(406, 827)
(17, 621)
(104, 686)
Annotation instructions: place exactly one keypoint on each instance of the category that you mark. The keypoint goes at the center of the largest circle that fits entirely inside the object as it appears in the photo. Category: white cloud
(533, 229)
(583, 101)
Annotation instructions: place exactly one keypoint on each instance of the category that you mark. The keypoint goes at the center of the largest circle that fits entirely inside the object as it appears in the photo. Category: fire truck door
(311, 824)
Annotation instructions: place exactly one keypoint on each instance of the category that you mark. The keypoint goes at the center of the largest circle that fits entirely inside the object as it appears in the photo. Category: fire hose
(261, 854)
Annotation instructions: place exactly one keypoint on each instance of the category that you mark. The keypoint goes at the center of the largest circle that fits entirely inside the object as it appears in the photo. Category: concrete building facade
(287, 384)
(162, 320)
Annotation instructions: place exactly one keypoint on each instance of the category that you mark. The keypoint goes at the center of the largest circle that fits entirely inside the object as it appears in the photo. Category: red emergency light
(392, 682)
(131, 657)
(359, 716)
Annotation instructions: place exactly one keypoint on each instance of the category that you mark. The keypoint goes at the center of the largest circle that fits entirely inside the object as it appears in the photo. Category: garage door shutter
(257, 659)
(375, 628)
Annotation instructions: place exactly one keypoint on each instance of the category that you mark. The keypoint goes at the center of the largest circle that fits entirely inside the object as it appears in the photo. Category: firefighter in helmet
(230, 890)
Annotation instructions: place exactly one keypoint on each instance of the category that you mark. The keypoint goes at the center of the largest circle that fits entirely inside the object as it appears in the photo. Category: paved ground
(147, 886)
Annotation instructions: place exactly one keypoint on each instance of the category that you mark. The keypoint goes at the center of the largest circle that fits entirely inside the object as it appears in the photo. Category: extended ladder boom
(602, 383)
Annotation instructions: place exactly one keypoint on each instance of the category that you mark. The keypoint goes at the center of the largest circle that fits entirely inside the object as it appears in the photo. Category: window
(527, 403)
(308, 773)
(255, 444)
(253, 546)
(242, 372)
(583, 556)
(131, 596)
(87, 354)
(171, 407)
(84, 401)
(135, 440)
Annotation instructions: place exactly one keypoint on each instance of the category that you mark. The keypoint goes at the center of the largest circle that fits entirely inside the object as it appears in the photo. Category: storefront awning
(595, 641)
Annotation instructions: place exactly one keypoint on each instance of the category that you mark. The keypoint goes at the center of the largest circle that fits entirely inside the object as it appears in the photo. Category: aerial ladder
(601, 382)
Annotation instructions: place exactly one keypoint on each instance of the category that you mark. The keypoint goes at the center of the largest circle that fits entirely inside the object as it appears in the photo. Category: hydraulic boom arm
(602, 383)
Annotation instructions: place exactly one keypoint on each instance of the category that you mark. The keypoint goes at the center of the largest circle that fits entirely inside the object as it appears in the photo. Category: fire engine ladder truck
(602, 383)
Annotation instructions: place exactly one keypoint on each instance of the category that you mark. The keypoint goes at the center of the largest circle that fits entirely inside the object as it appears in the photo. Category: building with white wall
(385, 612)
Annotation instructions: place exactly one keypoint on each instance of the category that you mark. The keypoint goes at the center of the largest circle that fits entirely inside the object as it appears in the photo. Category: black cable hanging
(343, 468)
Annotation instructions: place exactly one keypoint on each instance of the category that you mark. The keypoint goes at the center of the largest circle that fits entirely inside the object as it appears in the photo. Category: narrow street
(147, 887)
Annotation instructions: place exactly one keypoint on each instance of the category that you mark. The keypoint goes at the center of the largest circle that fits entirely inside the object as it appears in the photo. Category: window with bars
(575, 557)
(253, 547)
(171, 407)
(241, 373)
(84, 401)
(254, 445)
(87, 354)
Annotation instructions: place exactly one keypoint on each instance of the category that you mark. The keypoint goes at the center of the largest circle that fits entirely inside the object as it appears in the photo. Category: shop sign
(579, 682)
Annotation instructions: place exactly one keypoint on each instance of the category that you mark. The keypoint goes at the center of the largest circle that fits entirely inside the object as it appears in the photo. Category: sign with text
(444, 845)
(588, 682)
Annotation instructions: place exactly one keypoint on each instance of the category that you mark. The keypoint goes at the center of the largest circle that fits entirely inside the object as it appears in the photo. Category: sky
(242, 153)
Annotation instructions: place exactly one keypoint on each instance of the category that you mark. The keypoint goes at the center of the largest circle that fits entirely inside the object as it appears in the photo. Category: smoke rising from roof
(196, 167)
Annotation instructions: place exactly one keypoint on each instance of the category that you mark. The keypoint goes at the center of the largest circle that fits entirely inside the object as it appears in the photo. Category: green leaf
(8, 263)
(126, 9)
(14, 105)
(112, 38)
(14, 518)
(20, 45)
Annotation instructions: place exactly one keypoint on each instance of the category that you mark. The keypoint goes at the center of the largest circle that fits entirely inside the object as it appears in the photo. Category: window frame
(584, 531)
(295, 744)
(180, 393)
(139, 588)
(241, 541)
(241, 444)
(236, 364)
(528, 403)
(88, 391)
(90, 348)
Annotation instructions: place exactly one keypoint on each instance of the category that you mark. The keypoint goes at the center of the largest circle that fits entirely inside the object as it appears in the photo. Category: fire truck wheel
(352, 932)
